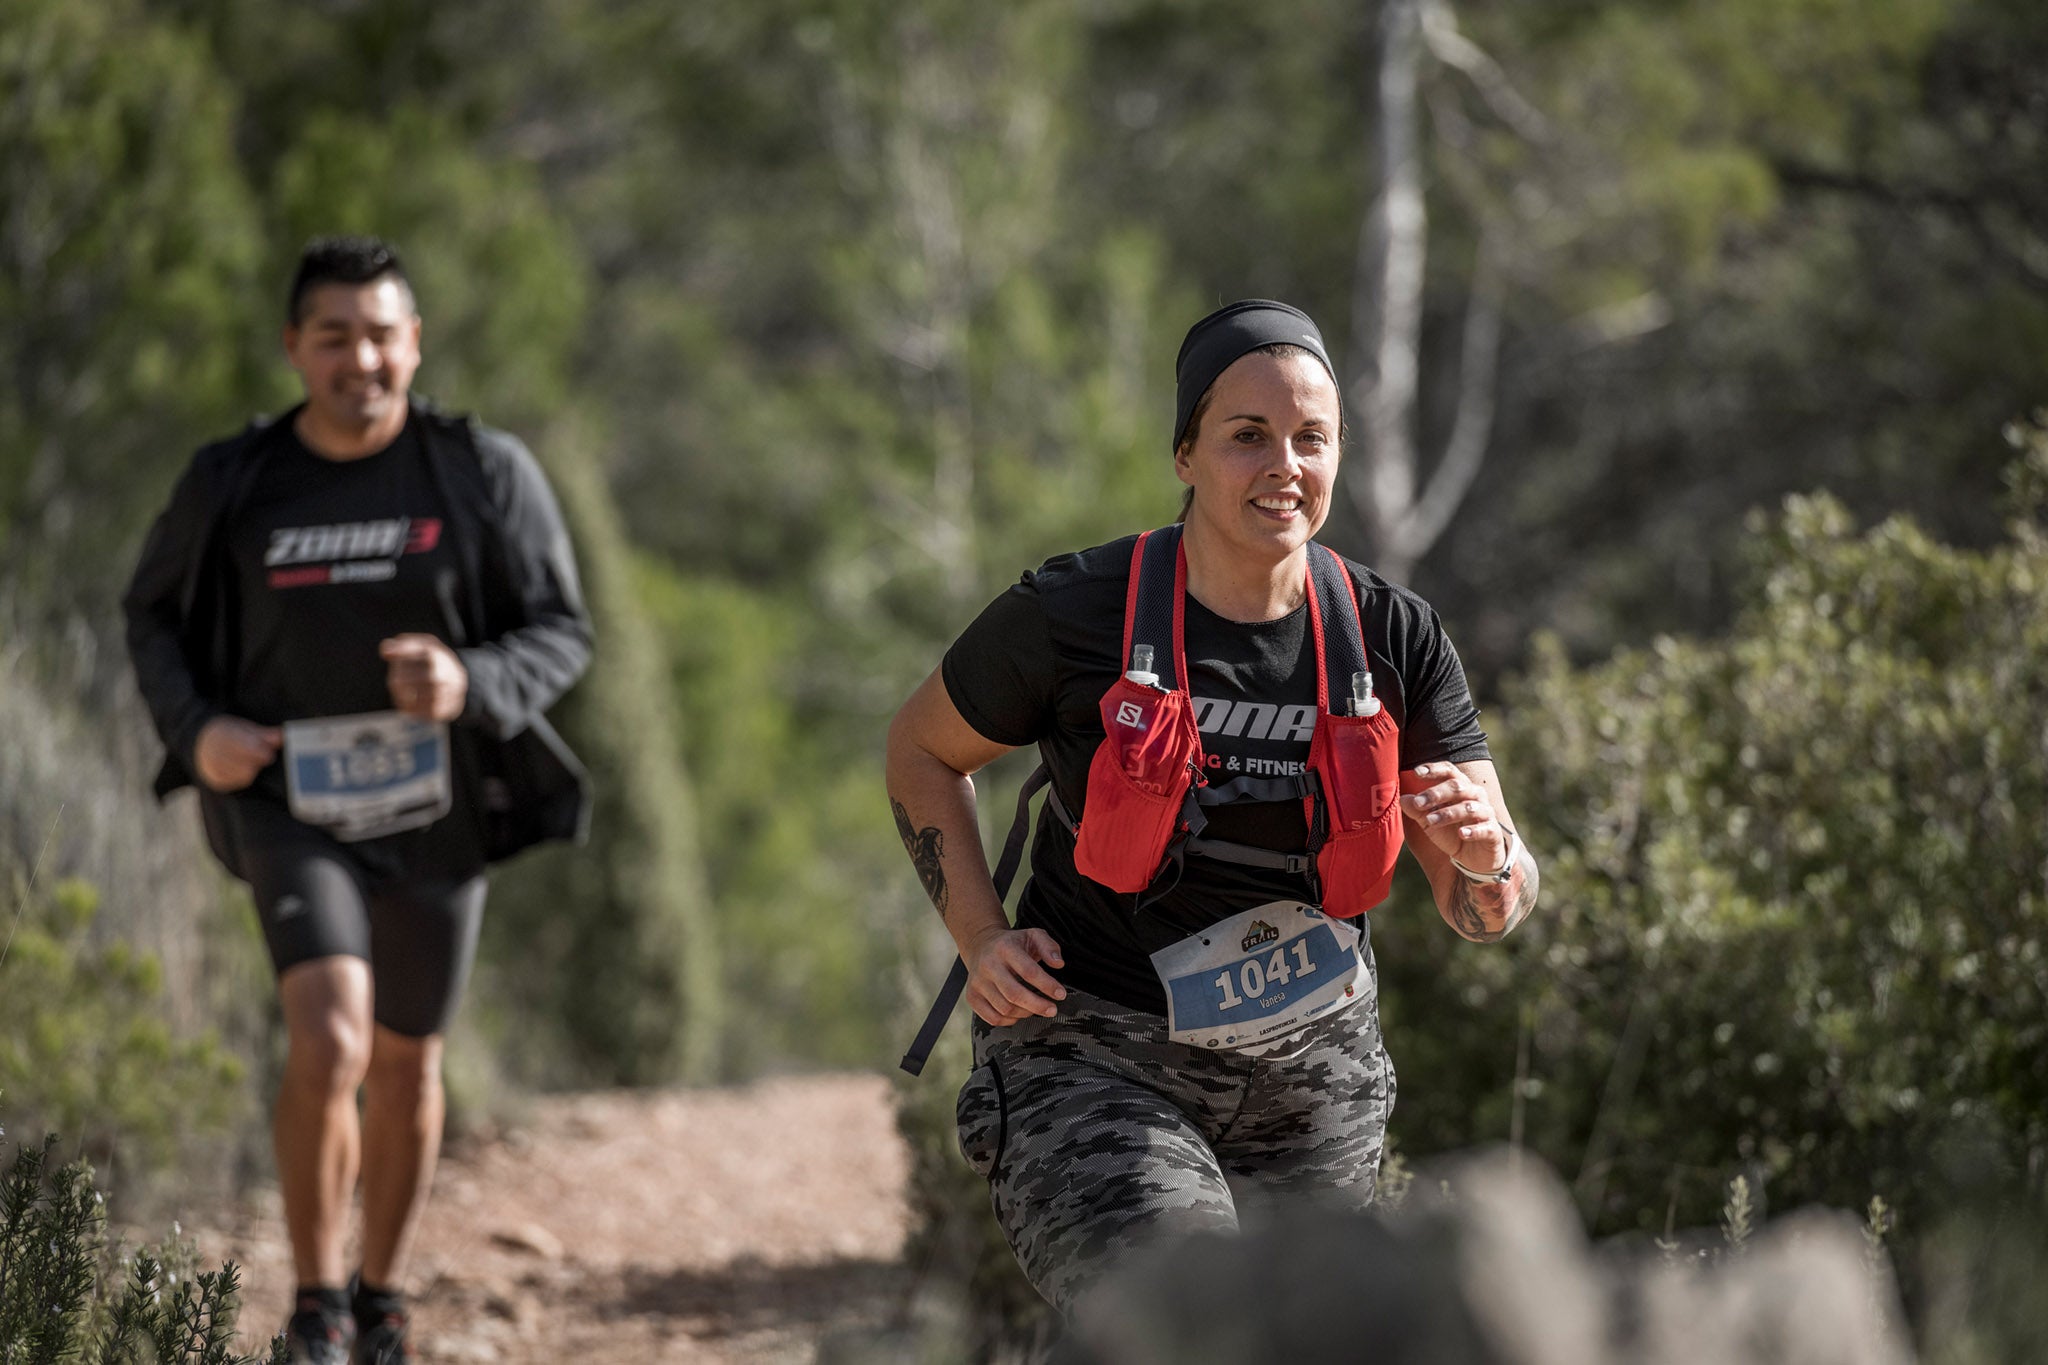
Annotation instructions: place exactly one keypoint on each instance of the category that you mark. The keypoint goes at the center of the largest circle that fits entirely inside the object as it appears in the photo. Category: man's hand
(230, 752)
(1453, 812)
(1005, 982)
(426, 680)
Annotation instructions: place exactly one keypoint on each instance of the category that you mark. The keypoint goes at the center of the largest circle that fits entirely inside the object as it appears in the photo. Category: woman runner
(1185, 1015)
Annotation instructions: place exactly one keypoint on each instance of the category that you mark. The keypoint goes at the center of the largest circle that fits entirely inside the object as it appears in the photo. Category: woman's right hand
(1006, 976)
(230, 752)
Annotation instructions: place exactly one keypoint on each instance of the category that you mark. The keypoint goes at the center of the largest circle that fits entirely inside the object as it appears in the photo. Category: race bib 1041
(367, 775)
(1260, 974)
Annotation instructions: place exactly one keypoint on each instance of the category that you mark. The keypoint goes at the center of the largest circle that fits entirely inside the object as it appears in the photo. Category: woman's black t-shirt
(1032, 669)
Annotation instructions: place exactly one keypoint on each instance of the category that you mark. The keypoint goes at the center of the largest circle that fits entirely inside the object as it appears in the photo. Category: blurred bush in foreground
(65, 1293)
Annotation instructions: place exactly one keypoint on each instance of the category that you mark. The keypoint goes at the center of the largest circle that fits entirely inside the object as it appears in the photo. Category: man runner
(347, 624)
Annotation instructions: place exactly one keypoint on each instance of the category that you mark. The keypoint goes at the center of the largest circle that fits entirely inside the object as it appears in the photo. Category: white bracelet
(1507, 869)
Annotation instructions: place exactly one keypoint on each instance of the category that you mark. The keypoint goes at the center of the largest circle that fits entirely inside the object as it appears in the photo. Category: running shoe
(318, 1335)
(383, 1331)
(383, 1342)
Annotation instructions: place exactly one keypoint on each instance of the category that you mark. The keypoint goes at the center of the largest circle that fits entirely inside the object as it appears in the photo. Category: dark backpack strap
(1060, 811)
(1340, 639)
(1153, 611)
(445, 440)
(1250, 855)
(956, 980)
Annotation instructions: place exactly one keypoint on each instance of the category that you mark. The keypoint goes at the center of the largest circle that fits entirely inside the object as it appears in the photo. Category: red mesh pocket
(1358, 759)
(1137, 783)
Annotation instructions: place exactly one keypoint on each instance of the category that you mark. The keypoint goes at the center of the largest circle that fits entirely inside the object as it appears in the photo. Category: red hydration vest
(1148, 783)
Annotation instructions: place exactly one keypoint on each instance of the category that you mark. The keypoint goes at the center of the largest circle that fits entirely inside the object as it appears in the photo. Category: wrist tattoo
(925, 847)
(1465, 916)
(1513, 900)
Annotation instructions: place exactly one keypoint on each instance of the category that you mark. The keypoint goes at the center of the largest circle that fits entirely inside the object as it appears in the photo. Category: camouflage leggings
(1096, 1134)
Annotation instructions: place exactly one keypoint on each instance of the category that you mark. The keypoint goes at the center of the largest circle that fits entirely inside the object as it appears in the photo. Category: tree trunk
(1386, 317)
(1386, 306)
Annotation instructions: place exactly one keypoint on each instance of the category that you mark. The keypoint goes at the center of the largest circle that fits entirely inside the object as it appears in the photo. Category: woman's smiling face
(1263, 457)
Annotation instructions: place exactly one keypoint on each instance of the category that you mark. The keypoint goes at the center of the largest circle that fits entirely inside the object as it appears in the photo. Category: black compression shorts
(320, 897)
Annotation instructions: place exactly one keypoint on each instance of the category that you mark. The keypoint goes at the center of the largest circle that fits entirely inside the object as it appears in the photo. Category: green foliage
(1792, 906)
(46, 1253)
(614, 943)
(830, 318)
(501, 287)
(1753, 226)
(811, 944)
(1738, 1216)
(64, 1293)
(126, 254)
(83, 1045)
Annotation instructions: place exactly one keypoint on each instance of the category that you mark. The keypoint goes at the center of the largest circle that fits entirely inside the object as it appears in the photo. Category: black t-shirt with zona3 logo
(1033, 666)
(330, 558)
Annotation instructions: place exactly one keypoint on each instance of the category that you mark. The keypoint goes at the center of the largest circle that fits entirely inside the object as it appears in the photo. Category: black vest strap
(1292, 788)
(1222, 850)
(1006, 872)
(1154, 617)
(1250, 855)
(1343, 637)
(1060, 811)
(1342, 647)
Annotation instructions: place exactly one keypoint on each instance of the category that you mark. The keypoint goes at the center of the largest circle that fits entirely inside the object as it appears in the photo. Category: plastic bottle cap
(1363, 702)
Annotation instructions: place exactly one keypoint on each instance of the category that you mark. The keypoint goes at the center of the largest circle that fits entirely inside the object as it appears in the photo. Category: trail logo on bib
(1261, 932)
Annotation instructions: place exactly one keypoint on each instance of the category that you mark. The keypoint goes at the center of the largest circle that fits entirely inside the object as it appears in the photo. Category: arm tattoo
(1516, 899)
(925, 847)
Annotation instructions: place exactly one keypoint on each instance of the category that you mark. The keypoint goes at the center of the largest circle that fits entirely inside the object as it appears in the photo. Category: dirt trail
(699, 1226)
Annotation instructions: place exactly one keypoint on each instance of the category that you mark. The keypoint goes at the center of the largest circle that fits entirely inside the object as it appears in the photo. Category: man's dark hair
(343, 260)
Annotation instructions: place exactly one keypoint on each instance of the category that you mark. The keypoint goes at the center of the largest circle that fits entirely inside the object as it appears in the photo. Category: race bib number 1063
(367, 775)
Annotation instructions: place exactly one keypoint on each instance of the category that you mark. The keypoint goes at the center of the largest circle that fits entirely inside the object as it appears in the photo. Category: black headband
(1232, 331)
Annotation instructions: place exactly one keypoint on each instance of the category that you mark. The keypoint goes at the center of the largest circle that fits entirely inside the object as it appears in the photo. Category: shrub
(66, 1294)
(1793, 908)
(83, 1046)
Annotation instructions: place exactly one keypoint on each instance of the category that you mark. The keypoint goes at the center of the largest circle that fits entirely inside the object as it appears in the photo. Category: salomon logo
(1131, 714)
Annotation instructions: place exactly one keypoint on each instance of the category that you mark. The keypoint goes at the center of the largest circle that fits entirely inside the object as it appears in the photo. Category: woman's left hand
(1454, 813)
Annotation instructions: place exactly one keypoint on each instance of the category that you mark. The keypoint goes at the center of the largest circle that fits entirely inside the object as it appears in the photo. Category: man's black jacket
(517, 620)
